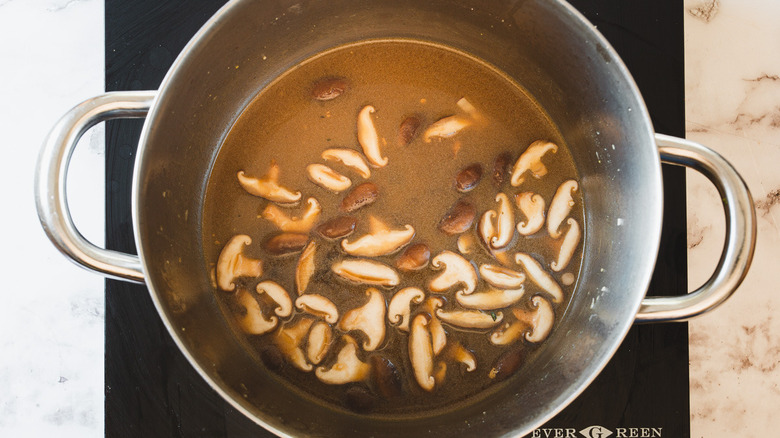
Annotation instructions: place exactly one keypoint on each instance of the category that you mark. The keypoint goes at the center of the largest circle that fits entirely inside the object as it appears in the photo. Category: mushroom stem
(368, 137)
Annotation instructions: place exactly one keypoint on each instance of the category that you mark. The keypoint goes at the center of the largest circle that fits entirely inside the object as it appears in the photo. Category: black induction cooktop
(152, 391)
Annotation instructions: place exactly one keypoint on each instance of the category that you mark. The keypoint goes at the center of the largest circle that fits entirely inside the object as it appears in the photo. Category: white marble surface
(51, 324)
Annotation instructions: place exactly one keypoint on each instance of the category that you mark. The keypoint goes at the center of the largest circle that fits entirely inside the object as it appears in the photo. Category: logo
(596, 432)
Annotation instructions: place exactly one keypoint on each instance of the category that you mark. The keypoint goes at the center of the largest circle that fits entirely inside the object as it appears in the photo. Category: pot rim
(579, 23)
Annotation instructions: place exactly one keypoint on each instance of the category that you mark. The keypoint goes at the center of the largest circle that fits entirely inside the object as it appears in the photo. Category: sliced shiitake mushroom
(501, 168)
(414, 258)
(368, 137)
(329, 88)
(348, 367)
(560, 207)
(366, 271)
(286, 243)
(369, 319)
(232, 263)
(458, 218)
(337, 227)
(531, 161)
(408, 129)
(362, 195)
(468, 177)
(268, 187)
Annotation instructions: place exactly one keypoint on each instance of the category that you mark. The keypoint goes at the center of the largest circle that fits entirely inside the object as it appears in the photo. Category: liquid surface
(285, 125)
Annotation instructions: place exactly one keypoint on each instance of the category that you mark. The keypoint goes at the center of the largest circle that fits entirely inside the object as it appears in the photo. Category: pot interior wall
(540, 44)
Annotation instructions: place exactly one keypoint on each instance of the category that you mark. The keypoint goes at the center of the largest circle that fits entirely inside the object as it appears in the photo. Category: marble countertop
(51, 327)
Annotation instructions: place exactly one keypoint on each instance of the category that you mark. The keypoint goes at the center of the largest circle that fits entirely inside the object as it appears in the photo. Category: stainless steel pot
(547, 47)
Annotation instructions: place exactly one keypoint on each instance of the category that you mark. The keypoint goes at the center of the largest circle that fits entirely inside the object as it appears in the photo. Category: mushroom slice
(505, 223)
(560, 207)
(461, 354)
(421, 352)
(490, 300)
(438, 335)
(289, 339)
(487, 227)
(570, 242)
(349, 158)
(380, 241)
(348, 367)
(267, 186)
(440, 373)
(327, 178)
(446, 128)
(399, 309)
(531, 160)
(320, 337)
(532, 207)
(501, 277)
(465, 243)
(294, 224)
(369, 319)
(508, 333)
(470, 319)
(305, 268)
(233, 264)
(278, 295)
(253, 322)
(539, 276)
(319, 306)
(457, 270)
(368, 137)
(366, 271)
(540, 319)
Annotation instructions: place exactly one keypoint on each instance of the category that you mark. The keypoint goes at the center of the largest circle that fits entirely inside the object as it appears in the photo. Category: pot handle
(740, 233)
(51, 176)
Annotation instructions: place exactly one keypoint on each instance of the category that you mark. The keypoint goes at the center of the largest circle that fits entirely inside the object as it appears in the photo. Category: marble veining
(733, 106)
(706, 10)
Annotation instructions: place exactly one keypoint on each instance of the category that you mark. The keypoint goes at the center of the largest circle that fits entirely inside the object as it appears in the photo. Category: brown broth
(399, 78)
